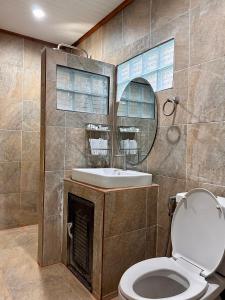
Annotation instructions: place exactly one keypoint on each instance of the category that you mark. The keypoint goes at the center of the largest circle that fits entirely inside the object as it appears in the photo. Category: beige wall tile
(31, 115)
(30, 146)
(10, 177)
(11, 82)
(29, 201)
(205, 152)
(93, 45)
(194, 3)
(152, 198)
(168, 187)
(78, 120)
(162, 241)
(171, 145)
(10, 114)
(11, 49)
(10, 142)
(54, 58)
(136, 21)
(52, 245)
(54, 117)
(32, 54)
(75, 148)
(55, 146)
(151, 238)
(53, 193)
(132, 245)
(124, 211)
(206, 31)
(217, 190)
(30, 176)
(206, 92)
(180, 89)
(112, 35)
(9, 210)
(28, 209)
(32, 85)
(81, 63)
(164, 11)
(177, 29)
(135, 48)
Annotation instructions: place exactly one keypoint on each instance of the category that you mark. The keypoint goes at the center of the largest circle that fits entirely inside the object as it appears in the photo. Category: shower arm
(71, 47)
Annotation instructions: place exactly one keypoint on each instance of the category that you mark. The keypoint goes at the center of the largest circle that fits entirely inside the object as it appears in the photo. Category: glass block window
(82, 91)
(155, 65)
(138, 101)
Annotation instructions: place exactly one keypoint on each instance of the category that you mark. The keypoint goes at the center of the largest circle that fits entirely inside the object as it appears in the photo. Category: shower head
(71, 47)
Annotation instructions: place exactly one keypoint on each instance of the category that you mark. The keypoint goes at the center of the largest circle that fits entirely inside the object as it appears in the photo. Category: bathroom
(46, 142)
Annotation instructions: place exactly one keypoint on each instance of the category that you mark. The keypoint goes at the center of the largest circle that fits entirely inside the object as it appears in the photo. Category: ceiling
(65, 21)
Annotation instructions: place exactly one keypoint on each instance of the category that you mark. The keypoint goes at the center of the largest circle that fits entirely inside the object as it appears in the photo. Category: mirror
(136, 121)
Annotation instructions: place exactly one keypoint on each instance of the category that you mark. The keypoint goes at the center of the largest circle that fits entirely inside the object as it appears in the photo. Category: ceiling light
(38, 13)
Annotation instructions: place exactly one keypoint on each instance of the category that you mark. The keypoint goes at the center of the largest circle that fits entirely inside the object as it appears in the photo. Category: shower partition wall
(63, 140)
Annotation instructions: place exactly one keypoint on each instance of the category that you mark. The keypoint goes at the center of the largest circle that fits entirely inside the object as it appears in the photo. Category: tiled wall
(20, 72)
(189, 150)
(62, 145)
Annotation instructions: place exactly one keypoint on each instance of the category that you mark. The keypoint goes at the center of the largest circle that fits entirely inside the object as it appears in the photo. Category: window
(155, 65)
(82, 91)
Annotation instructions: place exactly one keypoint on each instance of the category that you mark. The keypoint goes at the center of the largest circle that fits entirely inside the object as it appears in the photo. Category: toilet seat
(198, 240)
(197, 284)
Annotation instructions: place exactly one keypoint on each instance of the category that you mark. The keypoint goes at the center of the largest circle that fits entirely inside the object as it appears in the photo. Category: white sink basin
(111, 178)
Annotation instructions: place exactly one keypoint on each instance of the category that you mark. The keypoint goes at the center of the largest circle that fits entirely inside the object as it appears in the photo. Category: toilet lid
(198, 230)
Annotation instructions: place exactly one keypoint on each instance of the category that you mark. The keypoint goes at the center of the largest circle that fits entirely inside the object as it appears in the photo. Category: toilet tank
(221, 268)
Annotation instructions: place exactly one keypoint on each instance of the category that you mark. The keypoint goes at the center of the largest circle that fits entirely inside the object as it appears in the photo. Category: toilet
(197, 266)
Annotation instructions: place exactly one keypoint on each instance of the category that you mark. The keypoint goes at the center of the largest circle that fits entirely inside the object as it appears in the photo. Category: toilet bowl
(198, 239)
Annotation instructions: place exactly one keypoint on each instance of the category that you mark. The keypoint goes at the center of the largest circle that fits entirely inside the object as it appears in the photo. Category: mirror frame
(156, 131)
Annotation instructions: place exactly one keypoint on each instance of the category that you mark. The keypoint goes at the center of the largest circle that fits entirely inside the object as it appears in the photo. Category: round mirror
(136, 121)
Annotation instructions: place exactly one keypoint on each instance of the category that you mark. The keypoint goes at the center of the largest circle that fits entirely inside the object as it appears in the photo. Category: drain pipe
(171, 208)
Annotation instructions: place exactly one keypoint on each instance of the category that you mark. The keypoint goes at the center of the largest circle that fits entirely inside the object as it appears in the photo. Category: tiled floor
(22, 279)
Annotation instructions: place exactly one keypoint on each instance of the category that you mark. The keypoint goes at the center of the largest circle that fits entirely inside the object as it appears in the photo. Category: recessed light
(38, 13)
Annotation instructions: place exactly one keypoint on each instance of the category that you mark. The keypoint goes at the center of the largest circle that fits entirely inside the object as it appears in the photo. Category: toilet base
(216, 284)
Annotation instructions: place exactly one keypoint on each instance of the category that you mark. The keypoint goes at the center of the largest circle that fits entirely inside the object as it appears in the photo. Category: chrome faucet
(124, 160)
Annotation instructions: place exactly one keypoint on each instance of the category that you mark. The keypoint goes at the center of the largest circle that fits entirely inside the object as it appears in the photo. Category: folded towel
(98, 146)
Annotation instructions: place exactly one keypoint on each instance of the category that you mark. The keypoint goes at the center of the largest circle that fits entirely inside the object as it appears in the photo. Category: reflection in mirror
(136, 121)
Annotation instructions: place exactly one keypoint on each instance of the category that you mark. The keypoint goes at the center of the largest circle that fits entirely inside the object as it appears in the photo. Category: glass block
(63, 79)
(150, 61)
(80, 102)
(134, 109)
(98, 105)
(166, 54)
(122, 109)
(150, 65)
(99, 86)
(123, 73)
(82, 91)
(165, 78)
(147, 96)
(64, 100)
(82, 82)
(135, 92)
(152, 79)
(136, 66)
(148, 110)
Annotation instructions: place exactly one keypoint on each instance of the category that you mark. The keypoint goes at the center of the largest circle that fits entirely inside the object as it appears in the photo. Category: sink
(111, 178)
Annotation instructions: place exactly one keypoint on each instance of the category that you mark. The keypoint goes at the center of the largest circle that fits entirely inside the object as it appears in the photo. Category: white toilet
(196, 268)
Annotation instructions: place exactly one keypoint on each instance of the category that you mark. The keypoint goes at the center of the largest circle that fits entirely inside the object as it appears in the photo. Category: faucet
(124, 160)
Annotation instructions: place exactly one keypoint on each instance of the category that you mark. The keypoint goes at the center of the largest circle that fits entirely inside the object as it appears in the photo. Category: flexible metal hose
(171, 209)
